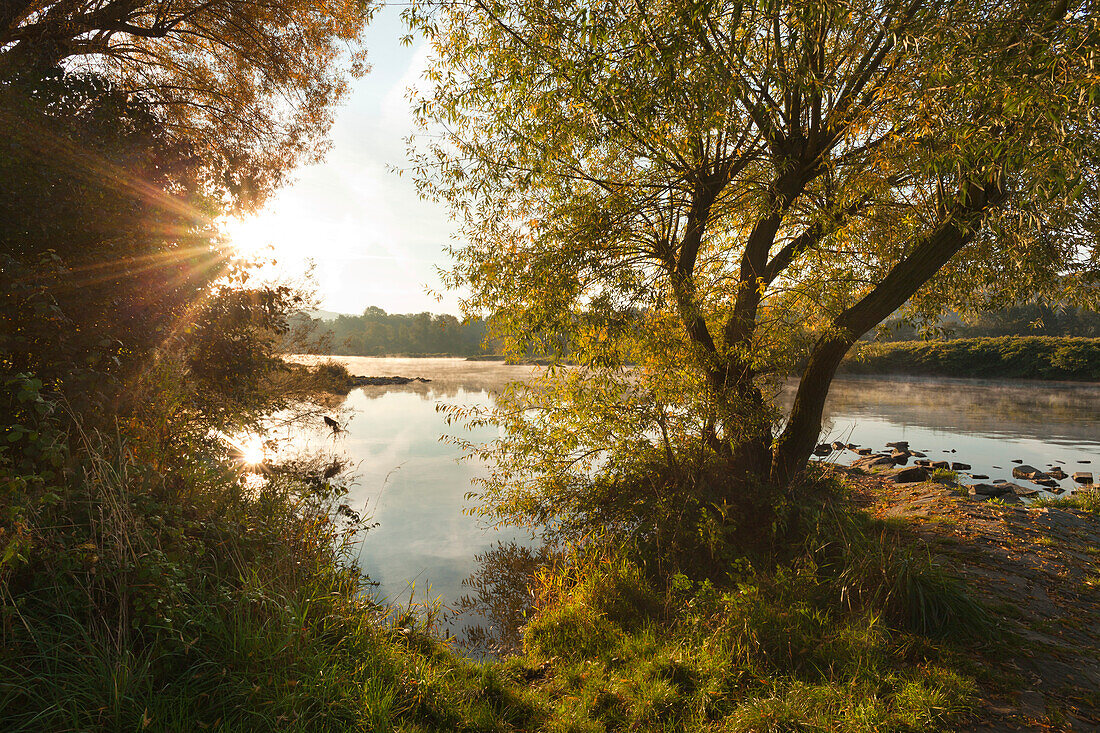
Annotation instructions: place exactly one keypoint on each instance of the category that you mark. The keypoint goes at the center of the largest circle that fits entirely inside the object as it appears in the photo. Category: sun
(251, 237)
(250, 450)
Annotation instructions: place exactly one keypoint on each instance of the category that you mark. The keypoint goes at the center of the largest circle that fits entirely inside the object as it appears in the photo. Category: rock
(900, 445)
(1083, 477)
(900, 457)
(823, 449)
(1056, 489)
(941, 464)
(1047, 482)
(998, 468)
(1032, 705)
(1084, 461)
(1020, 490)
(978, 475)
(1016, 460)
(837, 445)
(1057, 473)
(1057, 461)
(1028, 472)
(911, 475)
(864, 451)
(987, 489)
(981, 492)
(917, 453)
(999, 481)
(923, 462)
(853, 446)
(874, 462)
(960, 466)
(1003, 489)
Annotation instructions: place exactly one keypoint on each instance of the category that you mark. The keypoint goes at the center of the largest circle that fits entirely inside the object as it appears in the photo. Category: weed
(1086, 501)
(945, 476)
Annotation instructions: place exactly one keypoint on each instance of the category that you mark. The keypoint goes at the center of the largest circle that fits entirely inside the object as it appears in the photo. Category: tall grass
(865, 564)
(193, 599)
(848, 634)
(1087, 501)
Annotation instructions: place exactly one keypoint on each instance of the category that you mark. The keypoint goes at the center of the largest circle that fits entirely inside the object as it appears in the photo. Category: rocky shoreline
(893, 463)
(1035, 569)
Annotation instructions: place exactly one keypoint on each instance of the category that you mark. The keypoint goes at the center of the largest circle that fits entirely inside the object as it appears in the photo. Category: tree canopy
(250, 86)
(763, 182)
(111, 266)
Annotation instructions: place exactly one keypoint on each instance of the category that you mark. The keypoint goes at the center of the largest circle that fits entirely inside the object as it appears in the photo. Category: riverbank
(1036, 569)
(1016, 357)
(866, 628)
(953, 614)
(1052, 358)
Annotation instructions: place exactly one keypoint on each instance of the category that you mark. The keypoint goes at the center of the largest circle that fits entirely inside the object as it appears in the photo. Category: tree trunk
(793, 449)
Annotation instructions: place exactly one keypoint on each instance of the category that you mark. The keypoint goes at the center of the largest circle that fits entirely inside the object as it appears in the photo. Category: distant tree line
(1029, 319)
(1014, 357)
(377, 333)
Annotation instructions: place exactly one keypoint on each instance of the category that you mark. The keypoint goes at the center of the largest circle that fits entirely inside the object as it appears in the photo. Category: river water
(410, 481)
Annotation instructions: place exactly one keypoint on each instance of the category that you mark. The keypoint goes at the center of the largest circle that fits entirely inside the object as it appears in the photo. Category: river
(410, 481)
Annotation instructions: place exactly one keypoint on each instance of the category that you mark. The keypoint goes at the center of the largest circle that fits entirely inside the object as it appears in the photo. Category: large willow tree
(724, 191)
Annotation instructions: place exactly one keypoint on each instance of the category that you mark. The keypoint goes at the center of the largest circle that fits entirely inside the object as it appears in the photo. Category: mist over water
(987, 424)
(414, 487)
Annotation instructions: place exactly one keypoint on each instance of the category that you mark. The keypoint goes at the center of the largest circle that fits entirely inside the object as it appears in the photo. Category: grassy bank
(852, 632)
(157, 584)
(150, 581)
(166, 588)
(1019, 357)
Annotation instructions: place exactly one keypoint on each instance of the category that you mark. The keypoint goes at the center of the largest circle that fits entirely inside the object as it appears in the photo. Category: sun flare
(251, 237)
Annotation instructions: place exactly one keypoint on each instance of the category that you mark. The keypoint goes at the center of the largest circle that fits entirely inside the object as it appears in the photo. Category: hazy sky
(374, 241)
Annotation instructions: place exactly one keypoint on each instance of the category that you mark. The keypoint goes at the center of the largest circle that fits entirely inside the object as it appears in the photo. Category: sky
(372, 239)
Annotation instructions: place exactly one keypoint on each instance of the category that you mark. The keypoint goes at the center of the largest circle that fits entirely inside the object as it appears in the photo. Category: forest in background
(1024, 341)
(377, 333)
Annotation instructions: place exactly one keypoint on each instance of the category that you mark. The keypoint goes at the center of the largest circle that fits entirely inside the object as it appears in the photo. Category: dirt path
(1038, 571)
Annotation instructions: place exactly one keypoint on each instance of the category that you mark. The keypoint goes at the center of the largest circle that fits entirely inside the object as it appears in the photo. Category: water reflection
(448, 376)
(498, 597)
(414, 487)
